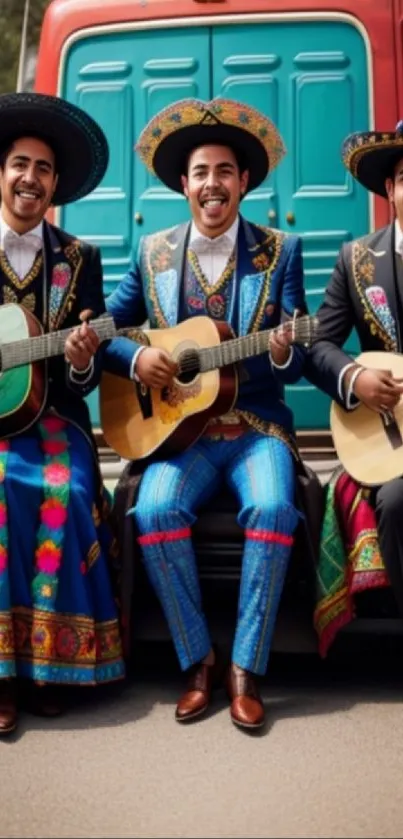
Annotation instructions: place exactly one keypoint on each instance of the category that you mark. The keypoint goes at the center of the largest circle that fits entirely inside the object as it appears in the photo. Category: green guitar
(23, 381)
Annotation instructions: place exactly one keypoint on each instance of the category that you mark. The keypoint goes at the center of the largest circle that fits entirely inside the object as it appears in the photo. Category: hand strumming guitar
(377, 389)
(155, 367)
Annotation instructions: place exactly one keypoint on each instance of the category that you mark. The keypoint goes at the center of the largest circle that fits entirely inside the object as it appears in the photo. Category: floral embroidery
(363, 272)
(53, 512)
(61, 277)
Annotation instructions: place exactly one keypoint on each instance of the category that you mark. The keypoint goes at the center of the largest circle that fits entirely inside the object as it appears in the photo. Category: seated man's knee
(276, 515)
(160, 515)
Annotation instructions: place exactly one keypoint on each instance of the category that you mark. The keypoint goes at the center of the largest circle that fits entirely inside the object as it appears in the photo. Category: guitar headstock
(304, 330)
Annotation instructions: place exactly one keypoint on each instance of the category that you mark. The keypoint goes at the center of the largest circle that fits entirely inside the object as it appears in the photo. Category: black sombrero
(171, 135)
(79, 144)
(371, 155)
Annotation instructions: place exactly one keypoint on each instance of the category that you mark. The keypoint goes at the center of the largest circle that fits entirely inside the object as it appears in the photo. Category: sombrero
(171, 135)
(371, 155)
(79, 144)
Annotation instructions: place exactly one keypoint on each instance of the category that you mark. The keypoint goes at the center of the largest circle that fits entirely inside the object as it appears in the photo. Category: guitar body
(22, 389)
(370, 450)
(178, 417)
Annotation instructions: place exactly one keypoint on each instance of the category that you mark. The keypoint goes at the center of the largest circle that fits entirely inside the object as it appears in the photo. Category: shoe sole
(248, 725)
(9, 730)
(192, 716)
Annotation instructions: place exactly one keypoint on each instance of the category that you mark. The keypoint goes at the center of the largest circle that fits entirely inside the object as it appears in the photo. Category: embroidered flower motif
(54, 447)
(53, 425)
(61, 275)
(56, 474)
(3, 514)
(53, 513)
(261, 261)
(3, 559)
(48, 557)
(66, 642)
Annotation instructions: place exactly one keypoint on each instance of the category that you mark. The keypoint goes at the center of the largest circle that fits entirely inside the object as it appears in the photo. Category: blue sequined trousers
(260, 471)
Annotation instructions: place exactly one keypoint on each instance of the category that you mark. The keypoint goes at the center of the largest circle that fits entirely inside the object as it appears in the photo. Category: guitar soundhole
(189, 366)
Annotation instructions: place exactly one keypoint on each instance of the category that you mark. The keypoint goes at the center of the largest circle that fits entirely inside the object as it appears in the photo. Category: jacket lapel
(258, 254)
(163, 263)
(63, 261)
(374, 275)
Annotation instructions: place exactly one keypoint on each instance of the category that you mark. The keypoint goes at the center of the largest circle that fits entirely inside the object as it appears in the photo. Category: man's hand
(155, 368)
(279, 344)
(377, 389)
(81, 345)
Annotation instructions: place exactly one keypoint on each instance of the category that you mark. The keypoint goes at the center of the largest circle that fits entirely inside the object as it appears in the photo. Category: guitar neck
(248, 346)
(29, 350)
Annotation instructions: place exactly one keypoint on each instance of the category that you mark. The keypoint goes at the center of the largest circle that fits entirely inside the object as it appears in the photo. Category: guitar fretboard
(257, 343)
(28, 350)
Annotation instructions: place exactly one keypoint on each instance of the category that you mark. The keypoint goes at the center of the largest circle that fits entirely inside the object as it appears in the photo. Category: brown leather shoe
(196, 699)
(8, 709)
(247, 709)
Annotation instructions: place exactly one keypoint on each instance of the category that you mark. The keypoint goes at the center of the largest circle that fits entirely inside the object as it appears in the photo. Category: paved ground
(329, 764)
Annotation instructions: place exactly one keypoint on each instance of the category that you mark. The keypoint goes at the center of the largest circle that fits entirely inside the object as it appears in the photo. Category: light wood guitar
(370, 445)
(24, 347)
(137, 422)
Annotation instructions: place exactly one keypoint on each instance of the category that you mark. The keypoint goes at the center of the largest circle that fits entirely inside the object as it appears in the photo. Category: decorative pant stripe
(165, 536)
(270, 536)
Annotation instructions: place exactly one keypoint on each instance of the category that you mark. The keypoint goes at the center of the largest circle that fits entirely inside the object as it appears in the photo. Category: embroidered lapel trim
(373, 298)
(162, 266)
(255, 287)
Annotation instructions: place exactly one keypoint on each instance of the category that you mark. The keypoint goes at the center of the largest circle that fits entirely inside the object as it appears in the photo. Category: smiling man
(58, 617)
(225, 267)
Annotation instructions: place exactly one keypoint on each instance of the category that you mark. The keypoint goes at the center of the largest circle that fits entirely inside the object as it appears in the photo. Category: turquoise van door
(310, 77)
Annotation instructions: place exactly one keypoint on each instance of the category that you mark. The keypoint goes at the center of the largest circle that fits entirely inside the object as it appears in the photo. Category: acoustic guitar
(370, 445)
(138, 421)
(23, 349)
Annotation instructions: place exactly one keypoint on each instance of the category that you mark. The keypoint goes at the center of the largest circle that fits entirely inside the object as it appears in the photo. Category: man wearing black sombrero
(222, 266)
(58, 620)
(362, 531)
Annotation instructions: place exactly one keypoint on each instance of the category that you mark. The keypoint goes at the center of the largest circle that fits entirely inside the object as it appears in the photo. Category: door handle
(138, 218)
(272, 215)
(290, 218)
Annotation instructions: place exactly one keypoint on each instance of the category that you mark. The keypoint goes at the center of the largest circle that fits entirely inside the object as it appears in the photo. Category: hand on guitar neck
(377, 389)
(155, 368)
(280, 341)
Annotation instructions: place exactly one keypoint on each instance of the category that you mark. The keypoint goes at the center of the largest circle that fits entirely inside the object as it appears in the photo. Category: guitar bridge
(392, 430)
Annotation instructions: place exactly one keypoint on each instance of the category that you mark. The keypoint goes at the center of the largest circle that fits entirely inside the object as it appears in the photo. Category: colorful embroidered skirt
(349, 559)
(58, 617)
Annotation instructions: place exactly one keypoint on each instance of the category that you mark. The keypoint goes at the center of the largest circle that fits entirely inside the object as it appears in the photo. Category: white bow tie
(13, 240)
(221, 246)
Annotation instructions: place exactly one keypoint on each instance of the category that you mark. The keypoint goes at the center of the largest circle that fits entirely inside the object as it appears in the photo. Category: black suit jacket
(362, 294)
(84, 290)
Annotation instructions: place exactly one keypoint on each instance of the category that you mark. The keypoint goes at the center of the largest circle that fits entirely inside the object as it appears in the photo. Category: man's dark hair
(4, 153)
(239, 156)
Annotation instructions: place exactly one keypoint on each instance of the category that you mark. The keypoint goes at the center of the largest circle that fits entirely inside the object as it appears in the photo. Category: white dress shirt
(351, 399)
(21, 251)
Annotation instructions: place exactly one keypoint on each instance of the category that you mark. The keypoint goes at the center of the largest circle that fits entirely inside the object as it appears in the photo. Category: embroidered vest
(27, 292)
(204, 298)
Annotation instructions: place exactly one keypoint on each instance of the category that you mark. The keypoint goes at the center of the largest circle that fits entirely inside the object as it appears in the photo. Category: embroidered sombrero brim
(79, 144)
(371, 155)
(168, 139)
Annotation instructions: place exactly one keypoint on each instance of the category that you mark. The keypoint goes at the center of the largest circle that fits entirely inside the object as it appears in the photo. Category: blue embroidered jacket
(267, 288)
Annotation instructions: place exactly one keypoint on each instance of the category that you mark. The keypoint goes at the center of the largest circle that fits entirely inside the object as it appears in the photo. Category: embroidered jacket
(362, 295)
(73, 283)
(267, 287)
